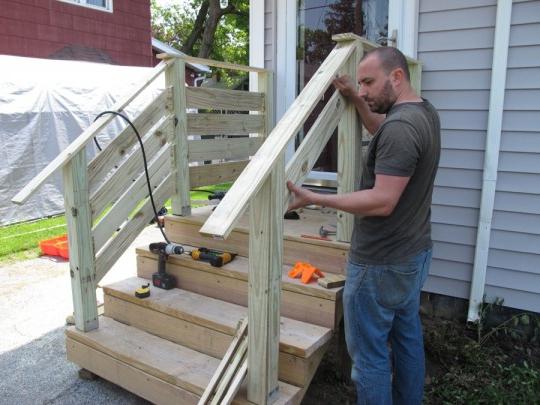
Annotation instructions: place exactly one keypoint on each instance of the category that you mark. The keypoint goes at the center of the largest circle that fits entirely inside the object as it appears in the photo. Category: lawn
(21, 241)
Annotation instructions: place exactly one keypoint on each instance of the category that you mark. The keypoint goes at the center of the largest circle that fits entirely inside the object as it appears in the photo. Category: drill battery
(216, 258)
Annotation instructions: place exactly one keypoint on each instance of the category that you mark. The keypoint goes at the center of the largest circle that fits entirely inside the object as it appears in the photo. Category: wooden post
(349, 144)
(81, 246)
(266, 86)
(265, 265)
(415, 70)
(175, 77)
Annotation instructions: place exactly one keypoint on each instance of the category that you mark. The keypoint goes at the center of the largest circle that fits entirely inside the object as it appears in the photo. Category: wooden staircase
(165, 348)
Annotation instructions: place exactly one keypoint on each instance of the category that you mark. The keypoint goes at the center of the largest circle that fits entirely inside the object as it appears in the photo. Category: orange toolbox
(55, 247)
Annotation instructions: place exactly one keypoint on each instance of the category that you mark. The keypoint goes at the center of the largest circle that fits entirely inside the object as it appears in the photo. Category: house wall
(455, 44)
(42, 28)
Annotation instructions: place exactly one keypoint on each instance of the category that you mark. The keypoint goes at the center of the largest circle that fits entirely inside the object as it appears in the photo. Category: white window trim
(82, 3)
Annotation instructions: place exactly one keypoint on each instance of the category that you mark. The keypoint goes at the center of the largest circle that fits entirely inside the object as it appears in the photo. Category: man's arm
(372, 121)
(377, 201)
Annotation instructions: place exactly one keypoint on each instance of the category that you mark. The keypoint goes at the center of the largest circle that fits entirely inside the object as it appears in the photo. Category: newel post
(175, 77)
(82, 266)
(265, 266)
(349, 143)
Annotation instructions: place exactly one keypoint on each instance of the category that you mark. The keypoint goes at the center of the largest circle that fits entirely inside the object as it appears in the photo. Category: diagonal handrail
(228, 212)
(88, 134)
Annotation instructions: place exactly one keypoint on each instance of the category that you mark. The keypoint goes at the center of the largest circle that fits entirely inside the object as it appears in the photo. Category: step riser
(130, 378)
(292, 369)
(297, 306)
(326, 258)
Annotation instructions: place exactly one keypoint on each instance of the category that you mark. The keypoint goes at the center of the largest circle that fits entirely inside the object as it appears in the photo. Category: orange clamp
(305, 272)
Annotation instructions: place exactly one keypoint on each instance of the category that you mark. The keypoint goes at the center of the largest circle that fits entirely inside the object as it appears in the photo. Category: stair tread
(309, 223)
(170, 362)
(239, 269)
(299, 338)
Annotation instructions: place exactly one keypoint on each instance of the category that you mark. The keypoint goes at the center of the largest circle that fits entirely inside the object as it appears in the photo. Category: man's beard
(385, 101)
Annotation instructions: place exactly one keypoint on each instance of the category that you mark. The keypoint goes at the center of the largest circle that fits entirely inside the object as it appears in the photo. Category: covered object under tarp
(44, 105)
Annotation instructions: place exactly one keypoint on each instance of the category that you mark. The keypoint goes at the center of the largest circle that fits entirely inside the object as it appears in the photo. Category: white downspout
(491, 158)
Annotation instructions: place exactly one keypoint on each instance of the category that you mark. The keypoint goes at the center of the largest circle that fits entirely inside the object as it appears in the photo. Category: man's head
(383, 75)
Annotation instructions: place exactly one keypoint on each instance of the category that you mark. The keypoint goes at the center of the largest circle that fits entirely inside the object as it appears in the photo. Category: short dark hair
(391, 58)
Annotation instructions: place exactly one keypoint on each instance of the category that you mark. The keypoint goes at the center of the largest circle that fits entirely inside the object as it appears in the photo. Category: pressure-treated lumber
(313, 144)
(415, 71)
(129, 169)
(224, 124)
(174, 364)
(261, 165)
(116, 246)
(239, 335)
(265, 84)
(225, 148)
(121, 146)
(175, 76)
(158, 169)
(349, 148)
(78, 144)
(224, 389)
(215, 173)
(211, 62)
(195, 333)
(82, 267)
(221, 99)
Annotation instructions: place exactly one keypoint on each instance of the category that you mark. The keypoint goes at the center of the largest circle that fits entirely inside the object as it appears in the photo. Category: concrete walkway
(35, 299)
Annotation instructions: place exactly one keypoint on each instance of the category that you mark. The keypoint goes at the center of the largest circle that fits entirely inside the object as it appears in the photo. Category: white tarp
(44, 105)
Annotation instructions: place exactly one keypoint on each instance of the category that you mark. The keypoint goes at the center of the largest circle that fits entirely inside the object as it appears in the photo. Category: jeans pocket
(396, 284)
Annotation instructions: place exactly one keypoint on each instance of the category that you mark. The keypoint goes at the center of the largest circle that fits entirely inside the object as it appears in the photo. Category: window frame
(83, 3)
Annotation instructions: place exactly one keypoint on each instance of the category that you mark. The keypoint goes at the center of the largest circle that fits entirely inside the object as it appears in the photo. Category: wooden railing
(261, 187)
(106, 200)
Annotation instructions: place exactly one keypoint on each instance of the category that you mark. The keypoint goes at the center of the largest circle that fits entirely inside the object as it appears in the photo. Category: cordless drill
(161, 279)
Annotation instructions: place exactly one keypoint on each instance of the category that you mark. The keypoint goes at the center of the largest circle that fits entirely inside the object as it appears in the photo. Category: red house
(116, 32)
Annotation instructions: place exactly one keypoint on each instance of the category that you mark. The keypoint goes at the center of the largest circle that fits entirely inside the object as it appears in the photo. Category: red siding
(41, 28)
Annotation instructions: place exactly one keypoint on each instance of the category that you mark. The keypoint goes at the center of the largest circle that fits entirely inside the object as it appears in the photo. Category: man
(391, 244)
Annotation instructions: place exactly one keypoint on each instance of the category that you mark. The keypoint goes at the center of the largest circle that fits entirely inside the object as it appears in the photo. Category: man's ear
(397, 76)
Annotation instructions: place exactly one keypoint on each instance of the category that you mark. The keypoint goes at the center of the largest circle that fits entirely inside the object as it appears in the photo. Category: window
(104, 5)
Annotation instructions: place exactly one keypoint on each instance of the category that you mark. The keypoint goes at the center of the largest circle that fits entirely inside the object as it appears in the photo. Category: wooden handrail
(88, 134)
(210, 62)
(228, 212)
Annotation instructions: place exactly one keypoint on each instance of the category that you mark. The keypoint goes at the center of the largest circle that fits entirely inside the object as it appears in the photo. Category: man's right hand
(346, 86)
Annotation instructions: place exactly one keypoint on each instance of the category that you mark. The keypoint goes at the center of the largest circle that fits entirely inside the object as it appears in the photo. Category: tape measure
(143, 291)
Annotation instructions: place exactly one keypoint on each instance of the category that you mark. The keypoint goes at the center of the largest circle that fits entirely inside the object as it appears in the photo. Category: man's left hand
(301, 196)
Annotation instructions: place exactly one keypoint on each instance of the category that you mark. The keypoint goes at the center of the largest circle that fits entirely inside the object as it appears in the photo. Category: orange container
(55, 246)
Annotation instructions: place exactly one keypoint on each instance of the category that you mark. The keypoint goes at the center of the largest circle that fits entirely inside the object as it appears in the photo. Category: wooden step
(309, 303)
(208, 325)
(160, 371)
(326, 255)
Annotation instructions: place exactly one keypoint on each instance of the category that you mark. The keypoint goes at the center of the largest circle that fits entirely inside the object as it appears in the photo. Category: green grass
(21, 241)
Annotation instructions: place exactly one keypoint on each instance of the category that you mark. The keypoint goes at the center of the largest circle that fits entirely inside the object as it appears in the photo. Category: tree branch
(197, 30)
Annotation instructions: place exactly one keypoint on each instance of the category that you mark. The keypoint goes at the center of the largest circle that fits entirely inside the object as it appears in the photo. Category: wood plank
(239, 269)
(239, 335)
(215, 173)
(82, 264)
(349, 150)
(292, 369)
(222, 99)
(227, 213)
(128, 201)
(331, 281)
(415, 70)
(224, 124)
(127, 171)
(235, 384)
(116, 246)
(265, 272)
(211, 62)
(175, 77)
(313, 144)
(121, 146)
(167, 361)
(88, 134)
(309, 309)
(126, 376)
(225, 148)
(235, 363)
(265, 84)
(297, 338)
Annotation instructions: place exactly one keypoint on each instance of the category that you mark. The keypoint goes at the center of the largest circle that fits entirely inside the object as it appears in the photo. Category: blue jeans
(381, 305)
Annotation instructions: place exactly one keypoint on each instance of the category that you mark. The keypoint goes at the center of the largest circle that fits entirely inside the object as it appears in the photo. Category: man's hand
(346, 86)
(301, 196)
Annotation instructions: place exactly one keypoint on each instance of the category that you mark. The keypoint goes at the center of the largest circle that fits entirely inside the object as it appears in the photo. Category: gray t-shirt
(407, 144)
